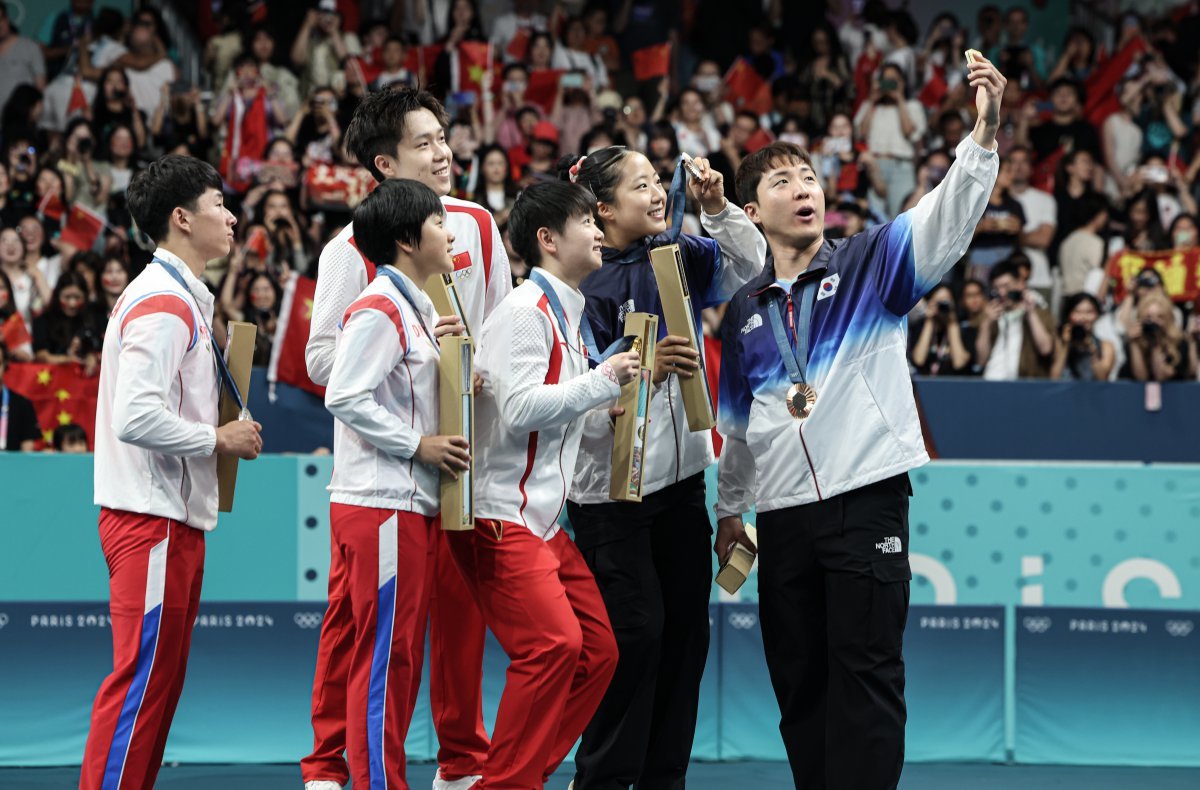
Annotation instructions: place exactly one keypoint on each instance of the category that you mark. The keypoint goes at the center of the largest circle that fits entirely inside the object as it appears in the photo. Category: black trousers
(654, 570)
(833, 586)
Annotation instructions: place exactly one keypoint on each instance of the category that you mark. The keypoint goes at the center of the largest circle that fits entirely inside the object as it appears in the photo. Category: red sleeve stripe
(384, 305)
(163, 302)
(554, 370)
(483, 218)
(370, 267)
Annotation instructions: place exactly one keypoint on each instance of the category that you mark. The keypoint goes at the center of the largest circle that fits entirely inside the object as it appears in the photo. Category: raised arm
(743, 246)
(916, 249)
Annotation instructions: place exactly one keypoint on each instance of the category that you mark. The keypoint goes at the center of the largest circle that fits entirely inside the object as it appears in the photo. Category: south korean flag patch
(828, 286)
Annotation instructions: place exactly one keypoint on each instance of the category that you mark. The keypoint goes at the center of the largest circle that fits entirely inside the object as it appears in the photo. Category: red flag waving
(15, 334)
(78, 104)
(422, 61)
(1102, 98)
(651, 62)
(60, 394)
(518, 44)
(746, 89)
(245, 139)
(82, 228)
(759, 140)
(471, 64)
(291, 336)
(51, 206)
(542, 88)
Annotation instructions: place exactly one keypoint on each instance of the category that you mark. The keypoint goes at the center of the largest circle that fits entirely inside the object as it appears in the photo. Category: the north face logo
(623, 311)
(752, 323)
(889, 546)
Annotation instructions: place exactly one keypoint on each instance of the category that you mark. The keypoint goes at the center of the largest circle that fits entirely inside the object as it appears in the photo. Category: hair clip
(574, 171)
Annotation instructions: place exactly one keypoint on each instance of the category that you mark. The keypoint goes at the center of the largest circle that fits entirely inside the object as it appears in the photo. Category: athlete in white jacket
(817, 409)
(384, 501)
(156, 466)
(400, 133)
(536, 593)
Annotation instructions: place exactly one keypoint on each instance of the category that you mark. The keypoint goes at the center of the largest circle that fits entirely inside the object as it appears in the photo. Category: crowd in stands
(1100, 147)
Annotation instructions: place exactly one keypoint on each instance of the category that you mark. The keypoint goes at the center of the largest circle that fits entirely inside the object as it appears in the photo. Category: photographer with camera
(943, 345)
(321, 47)
(68, 331)
(1016, 340)
(1080, 354)
(82, 180)
(1157, 348)
(892, 124)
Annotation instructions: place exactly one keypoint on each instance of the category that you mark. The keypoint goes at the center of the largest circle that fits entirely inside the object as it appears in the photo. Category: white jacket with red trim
(383, 390)
(481, 272)
(528, 418)
(157, 407)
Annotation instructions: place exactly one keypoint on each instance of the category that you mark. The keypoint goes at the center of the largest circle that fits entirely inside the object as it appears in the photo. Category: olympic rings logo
(1179, 627)
(308, 619)
(1037, 625)
(743, 620)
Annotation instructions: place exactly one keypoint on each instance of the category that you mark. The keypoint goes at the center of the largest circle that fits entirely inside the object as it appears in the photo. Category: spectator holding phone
(892, 124)
(321, 47)
(1016, 339)
(1080, 355)
(83, 183)
(1157, 348)
(572, 54)
(942, 346)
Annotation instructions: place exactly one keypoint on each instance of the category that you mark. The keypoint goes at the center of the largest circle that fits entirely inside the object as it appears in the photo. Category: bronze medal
(800, 400)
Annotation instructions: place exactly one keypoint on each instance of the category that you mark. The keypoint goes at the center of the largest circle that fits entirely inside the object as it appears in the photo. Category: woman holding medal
(820, 431)
(650, 559)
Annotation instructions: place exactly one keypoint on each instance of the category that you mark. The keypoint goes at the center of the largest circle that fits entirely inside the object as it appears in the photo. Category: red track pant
(541, 601)
(386, 554)
(155, 569)
(456, 639)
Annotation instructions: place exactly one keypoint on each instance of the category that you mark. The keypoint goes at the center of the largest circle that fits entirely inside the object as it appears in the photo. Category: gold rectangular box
(446, 300)
(736, 570)
(680, 313)
(456, 417)
(239, 354)
(629, 441)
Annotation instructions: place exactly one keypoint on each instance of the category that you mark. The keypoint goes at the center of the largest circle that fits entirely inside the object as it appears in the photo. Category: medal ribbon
(795, 359)
(595, 357)
(398, 281)
(226, 377)
(3, 418)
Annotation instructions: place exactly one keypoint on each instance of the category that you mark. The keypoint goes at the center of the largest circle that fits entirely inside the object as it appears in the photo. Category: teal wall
(980, 534)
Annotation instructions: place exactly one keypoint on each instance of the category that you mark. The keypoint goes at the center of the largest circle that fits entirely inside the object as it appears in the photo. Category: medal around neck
(800, 400)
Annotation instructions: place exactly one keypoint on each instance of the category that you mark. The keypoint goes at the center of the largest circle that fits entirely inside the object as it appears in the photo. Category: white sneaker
(322, 784)
(458, 784)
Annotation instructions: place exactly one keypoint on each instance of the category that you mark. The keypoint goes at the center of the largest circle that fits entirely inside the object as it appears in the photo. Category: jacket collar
(816, 268)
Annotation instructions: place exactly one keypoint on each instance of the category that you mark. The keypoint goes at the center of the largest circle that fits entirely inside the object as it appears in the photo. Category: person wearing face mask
(1080, 354)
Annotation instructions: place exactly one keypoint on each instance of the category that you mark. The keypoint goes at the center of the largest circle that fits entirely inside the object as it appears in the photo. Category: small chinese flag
(519, 44)
(51, 206)
(746, 89)
(542, 88)
(287, 364)
(78, 103)
(651, 62)
(83, 227)
(759, 140)
(472, 65)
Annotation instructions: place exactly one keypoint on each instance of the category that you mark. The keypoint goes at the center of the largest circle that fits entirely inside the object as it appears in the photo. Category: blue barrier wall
(968, 419)
(1043, 685)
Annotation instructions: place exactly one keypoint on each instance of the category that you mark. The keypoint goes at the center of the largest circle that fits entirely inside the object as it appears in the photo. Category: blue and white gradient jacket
(864, 426)
(716, 267)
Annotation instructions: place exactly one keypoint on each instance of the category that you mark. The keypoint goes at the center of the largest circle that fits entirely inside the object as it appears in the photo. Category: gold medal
(800, 400)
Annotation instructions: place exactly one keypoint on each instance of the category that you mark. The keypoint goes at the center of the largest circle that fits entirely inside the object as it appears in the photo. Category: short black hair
(167, 183)
(380, 121)
(394, 213)
(752, 169)
(546, 204)
(68, 433)
(1004, 267)
(1073, 84)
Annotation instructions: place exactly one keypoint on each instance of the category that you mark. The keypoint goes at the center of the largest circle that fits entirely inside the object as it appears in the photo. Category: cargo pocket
(892, 570)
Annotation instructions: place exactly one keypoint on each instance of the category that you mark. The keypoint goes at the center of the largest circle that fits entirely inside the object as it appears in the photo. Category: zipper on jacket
(808, 458)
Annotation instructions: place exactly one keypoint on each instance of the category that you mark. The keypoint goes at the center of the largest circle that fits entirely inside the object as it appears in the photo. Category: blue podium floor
(701, 776)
